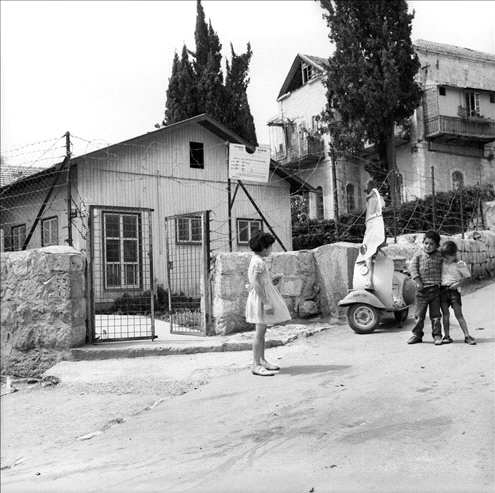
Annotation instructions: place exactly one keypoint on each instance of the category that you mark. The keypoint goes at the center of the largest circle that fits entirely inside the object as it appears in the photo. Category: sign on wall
(249, 166)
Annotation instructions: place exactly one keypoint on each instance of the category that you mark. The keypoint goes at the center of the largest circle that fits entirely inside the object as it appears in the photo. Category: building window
(18, 237)
(121, 244)
(246, 229)
(457, 180)
(442, 91)
(49, 231)
(308, 72)
(492, 98)
(472, 103)
(188, 230)
(320, 211)
(349, 194)
(196, 155)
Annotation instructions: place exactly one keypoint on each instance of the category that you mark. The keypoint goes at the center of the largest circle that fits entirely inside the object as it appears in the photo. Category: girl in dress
(265, 306)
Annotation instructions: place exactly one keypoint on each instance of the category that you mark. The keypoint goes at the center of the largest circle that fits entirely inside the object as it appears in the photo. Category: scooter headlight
(363, 270)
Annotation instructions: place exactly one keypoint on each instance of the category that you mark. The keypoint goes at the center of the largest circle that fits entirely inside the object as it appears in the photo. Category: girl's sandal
(269, 366)
(447, 340)
(470, 340)
(261, 371)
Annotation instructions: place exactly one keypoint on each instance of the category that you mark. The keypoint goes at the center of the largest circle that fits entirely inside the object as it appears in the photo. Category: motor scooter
(376, 286)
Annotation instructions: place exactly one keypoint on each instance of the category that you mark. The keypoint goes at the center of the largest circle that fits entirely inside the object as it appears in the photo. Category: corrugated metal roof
(423, 45)
(10, 174)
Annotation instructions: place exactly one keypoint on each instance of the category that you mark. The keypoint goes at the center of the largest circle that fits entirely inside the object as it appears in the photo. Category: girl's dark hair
(432, 235)
(260, 240)
(449, 249)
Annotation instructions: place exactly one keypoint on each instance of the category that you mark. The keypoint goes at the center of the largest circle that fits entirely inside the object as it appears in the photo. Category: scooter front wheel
(362, 318)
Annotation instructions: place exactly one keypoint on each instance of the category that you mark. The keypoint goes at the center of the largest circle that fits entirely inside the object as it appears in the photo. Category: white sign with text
(249, 166)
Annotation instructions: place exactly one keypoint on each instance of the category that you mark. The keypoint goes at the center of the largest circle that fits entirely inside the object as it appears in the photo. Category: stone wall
(43, 308)
(316, 280)
(477, 249)
(313, 282)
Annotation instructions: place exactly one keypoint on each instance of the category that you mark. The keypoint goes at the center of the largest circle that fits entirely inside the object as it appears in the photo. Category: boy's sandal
(447, 340)
(262, 372)
(470, 340)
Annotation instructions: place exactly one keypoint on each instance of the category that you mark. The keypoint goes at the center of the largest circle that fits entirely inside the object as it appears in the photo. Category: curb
(237, 342)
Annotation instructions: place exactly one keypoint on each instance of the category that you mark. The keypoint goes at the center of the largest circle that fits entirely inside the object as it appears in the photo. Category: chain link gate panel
(121, 282)
(188, 261)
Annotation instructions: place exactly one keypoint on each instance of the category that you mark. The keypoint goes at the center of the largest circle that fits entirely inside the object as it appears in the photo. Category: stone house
(451, 134)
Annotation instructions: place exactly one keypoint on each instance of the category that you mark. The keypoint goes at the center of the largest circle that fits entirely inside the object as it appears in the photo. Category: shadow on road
(308, 369)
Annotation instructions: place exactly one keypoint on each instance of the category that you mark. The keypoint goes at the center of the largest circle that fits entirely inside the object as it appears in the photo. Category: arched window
(457, 180)
(349, 196)
(320, 212)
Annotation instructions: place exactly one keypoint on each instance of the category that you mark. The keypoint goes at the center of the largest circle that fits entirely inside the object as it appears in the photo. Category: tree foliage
(199, 87)
(236, 83)
(181, 92)
(371, 83)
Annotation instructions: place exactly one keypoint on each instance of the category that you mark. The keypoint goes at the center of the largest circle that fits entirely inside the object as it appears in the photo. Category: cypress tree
(238, 115)
(370, 83)
(181, 92)
(173, 110)
(198, 87)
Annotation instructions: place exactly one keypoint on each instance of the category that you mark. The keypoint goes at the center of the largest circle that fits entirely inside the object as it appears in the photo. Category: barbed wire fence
(447, 212)
(41, 204)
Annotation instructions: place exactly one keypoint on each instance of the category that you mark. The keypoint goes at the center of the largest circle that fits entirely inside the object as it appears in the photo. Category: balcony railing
(473, 129)
(306, 152)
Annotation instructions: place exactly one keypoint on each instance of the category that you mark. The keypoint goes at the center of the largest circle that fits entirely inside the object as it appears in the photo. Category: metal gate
(188, 261)
(121, 283)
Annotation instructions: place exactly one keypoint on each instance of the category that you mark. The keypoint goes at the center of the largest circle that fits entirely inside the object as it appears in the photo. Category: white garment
(453, 272)
(255, 312)
(374, 235)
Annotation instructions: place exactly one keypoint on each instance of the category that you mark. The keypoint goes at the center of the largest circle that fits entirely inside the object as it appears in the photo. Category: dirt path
(95, 395)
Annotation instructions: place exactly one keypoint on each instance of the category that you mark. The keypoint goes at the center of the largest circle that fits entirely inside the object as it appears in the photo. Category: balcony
(454, 130)
(306, 153)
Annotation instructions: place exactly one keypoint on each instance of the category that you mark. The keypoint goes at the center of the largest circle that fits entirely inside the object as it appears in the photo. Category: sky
(100, 70)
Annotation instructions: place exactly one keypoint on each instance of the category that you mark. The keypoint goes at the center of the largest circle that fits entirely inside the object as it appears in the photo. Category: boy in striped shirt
(426, 271)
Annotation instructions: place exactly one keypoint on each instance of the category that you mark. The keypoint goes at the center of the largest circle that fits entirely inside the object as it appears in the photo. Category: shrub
(442, 212)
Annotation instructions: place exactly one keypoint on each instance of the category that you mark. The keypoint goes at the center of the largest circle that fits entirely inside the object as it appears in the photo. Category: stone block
(43, 308)
(335, 267)
(307, 309)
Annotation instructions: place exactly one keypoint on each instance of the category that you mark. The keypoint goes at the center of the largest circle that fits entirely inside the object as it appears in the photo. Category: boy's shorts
(449, 297)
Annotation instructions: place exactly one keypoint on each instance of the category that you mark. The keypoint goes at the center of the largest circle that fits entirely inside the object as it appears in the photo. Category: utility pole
(69, 189)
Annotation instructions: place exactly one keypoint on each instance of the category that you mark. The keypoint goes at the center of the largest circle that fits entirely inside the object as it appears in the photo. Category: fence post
(69, 190)
(433, 205)
(229, 198)
(335, 193)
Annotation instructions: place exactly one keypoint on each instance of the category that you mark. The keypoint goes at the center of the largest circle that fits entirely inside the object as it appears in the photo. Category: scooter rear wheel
(362, 318)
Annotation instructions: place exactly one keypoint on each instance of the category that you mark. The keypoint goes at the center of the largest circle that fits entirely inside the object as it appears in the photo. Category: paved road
(347, 413)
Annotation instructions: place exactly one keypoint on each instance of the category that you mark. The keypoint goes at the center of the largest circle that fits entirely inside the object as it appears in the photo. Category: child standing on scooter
(426, 272)
(455, 273)
(265, 306)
